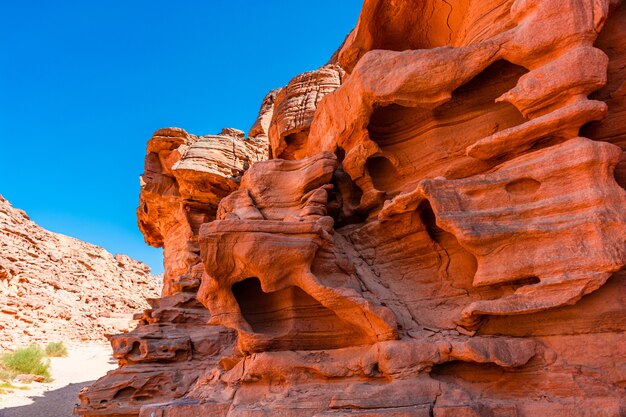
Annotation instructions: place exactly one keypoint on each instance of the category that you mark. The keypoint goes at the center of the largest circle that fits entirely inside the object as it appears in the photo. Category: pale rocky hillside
(54, 287)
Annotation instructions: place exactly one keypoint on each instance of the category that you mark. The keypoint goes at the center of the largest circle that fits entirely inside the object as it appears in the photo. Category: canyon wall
(431, 224)
(57, 288)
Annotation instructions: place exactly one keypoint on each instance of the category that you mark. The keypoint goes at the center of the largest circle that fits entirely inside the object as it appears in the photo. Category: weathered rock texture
(439, 229)
(185, 178)
(57, 288)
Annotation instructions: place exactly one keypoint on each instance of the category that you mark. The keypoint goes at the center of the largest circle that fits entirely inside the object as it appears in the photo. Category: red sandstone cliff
(438, 229)
(54, 287)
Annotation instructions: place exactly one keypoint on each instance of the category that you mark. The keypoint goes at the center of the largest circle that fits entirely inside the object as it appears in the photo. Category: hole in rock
(464, 372)
(348, 196)
(375, 370)
(493, 81)
(520, 282)
(293, 320)
(430, 143)
(134, 350)
(382, 172)
(124, 393)
(522, 186)
(142, 398)
(181, 355)
(295, 142)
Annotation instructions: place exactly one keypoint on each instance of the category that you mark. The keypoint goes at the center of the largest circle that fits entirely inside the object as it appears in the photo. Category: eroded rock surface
(57, 288)
(185, 178)
(438, 231)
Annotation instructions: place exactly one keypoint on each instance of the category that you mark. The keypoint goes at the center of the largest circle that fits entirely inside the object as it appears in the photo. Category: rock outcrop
(185, 178)
(57, 288)
(437, 229)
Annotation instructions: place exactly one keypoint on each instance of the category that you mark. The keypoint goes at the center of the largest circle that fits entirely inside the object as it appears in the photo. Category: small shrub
(7, 388)
(28, 360)
(7, 385)
(4, 374)
(56, 350)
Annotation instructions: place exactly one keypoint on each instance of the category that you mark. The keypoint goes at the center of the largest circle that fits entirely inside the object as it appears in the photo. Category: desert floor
(84, 364)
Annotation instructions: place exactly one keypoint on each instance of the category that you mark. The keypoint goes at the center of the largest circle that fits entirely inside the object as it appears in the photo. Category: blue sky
(83, 84)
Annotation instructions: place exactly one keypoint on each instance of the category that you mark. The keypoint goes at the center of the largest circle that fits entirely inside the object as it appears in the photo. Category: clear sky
(83, 84)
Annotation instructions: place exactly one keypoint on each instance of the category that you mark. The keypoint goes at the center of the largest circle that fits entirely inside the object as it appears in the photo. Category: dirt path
(83, 365)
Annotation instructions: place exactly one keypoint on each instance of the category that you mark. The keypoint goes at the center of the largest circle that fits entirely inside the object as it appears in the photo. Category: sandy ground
(84, 364)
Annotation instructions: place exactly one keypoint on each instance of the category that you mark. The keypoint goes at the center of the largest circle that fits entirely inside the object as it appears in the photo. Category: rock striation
(437, 229)
(54, 287)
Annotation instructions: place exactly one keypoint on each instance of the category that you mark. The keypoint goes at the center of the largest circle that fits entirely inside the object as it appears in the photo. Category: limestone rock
(56, 288)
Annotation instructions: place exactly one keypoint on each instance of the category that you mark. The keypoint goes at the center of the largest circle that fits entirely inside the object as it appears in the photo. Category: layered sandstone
(185, 178)
(54, 287)
(437, 229)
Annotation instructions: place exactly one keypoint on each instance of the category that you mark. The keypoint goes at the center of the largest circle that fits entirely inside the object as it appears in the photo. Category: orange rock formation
(437, 229)
(57, 288)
